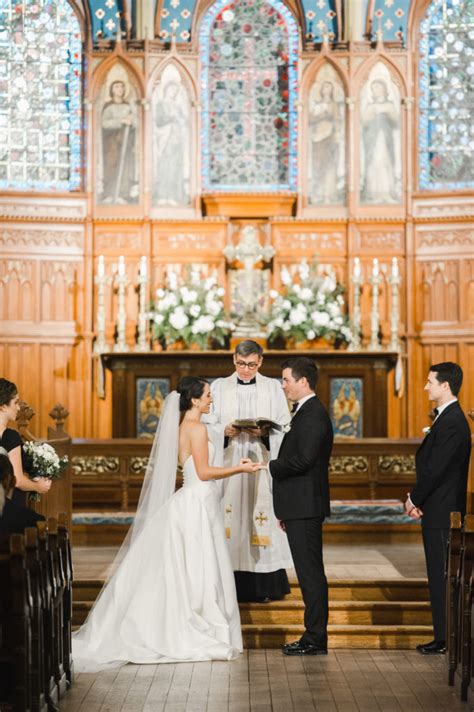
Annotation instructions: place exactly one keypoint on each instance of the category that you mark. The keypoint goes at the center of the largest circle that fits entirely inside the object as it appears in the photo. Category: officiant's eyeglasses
(242, 364)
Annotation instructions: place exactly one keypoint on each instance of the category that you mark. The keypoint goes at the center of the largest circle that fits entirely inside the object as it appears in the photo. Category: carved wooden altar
(335, 367)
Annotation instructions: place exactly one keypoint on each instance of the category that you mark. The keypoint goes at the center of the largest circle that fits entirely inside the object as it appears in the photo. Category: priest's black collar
(252, 382)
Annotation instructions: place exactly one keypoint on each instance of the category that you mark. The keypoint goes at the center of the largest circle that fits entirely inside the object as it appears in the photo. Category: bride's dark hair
(188, 388)
(8, 391)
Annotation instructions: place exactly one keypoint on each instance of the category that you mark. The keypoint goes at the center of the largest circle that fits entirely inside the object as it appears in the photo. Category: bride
(171, 596)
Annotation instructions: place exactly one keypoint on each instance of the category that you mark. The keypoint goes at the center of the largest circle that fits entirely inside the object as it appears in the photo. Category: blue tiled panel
(107, 16)
(392, 17)
(320, 17)
(176, 17)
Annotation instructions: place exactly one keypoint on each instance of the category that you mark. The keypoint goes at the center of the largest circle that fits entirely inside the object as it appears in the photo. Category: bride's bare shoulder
(194, 428)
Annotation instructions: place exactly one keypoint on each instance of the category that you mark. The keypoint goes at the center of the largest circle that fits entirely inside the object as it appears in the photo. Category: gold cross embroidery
(228, 509)
(261, 518)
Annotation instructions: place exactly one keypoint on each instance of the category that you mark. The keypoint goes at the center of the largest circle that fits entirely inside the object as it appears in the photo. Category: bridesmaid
(10, 440)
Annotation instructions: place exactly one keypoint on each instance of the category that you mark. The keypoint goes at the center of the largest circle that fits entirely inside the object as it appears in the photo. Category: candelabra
(142, 344)
(394, 282)
(121, 281)
(101, 280)
(356, 279)
(375, 280)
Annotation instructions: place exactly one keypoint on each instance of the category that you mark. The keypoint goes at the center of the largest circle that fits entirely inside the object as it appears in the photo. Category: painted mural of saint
(380, 123)
(119, 159)
(171, 128)
(326, 147)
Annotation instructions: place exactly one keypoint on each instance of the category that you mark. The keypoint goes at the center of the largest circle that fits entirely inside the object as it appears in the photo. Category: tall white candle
(143, 266)
(375, 269)
(101, 266)
(121, 266)
(356, 266)
(395, 270)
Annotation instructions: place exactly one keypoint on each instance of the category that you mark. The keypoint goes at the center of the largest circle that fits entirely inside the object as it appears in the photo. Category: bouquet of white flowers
(309, 306)
(42, 460)
(191, 312)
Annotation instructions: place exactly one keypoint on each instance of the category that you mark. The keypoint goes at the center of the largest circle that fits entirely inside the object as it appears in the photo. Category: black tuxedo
(301, 500)
(442, 464)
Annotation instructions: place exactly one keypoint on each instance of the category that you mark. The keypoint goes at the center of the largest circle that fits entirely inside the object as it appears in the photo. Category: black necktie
(294, 407)
(435, 411)
(240, 382)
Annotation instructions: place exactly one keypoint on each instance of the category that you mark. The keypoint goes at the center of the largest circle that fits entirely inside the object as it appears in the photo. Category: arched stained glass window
(446, 127)
(40, 95)
(249, 78)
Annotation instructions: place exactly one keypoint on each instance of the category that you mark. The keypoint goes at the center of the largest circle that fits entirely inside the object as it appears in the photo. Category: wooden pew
(47, 581)
(36, 575)
(64, 543)
(465, 606)
(15, 626)
(59, 584)
(453, 566)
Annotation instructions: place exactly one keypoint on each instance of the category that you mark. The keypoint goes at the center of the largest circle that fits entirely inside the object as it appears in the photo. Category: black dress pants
(305, 538)
(435, 542)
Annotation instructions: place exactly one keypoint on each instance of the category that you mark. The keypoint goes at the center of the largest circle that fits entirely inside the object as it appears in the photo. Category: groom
(301, 497)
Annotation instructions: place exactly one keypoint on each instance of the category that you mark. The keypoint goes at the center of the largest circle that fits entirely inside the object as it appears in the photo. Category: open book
(256, 423)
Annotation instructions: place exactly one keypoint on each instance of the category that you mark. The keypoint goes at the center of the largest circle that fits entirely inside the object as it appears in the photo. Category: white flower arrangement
(309, 306)
(426, 430)
(191, 312)
(42, 460)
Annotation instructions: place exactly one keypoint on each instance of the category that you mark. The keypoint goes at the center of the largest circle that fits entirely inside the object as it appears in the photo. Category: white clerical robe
(256, 542)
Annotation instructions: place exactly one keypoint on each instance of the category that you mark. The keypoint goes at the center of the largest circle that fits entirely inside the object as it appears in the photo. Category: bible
(247, 423)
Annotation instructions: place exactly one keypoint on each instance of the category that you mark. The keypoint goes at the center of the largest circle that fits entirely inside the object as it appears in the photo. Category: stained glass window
(40, 95)
(446, 125)
(249, 76)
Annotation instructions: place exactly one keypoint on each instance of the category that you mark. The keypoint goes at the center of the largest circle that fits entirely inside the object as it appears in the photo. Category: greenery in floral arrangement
(190, 309)
(310, 305)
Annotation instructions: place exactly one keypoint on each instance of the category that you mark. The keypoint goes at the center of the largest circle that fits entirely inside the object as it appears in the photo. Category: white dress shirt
(303, 400)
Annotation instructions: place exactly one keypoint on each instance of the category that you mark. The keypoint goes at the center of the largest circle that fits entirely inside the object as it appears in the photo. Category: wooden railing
(107, 474)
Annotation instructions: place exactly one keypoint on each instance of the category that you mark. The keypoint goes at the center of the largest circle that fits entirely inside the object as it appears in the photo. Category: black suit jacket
(442, 463)
(300, 473)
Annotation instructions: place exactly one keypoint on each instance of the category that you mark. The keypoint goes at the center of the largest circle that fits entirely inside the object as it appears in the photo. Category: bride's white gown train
(172, 597)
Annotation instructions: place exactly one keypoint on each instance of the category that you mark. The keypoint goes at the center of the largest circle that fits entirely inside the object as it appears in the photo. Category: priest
(258, 547)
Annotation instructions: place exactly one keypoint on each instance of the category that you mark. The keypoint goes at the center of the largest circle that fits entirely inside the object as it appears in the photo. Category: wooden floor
(266, 680)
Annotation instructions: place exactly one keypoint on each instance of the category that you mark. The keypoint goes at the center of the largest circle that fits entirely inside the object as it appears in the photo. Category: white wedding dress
(172, 598)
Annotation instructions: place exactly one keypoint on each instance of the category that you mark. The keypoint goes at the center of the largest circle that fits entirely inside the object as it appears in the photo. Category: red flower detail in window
(436, 161)
(278, 123)
(247, 28)
(284, 94)
(267, 82)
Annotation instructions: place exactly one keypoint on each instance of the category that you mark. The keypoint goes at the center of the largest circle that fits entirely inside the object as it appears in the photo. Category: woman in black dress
(10, 440)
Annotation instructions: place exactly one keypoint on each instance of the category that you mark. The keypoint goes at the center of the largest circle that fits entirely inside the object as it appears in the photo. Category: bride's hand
(248, 465)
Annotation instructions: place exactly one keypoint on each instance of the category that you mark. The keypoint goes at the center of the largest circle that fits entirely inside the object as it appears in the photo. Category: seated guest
(14, 517)
(10, 440)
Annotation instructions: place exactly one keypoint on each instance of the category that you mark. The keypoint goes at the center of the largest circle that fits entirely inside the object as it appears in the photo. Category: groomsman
(258, 548)
(301, 497)
(442, 463)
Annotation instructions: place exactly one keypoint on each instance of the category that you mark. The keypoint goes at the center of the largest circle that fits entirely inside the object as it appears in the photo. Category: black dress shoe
(300, 648)
(292, 645)
(436, 647)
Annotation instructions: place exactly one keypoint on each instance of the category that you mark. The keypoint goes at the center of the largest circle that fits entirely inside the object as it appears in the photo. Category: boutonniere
(427, 430)
(286, 428)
